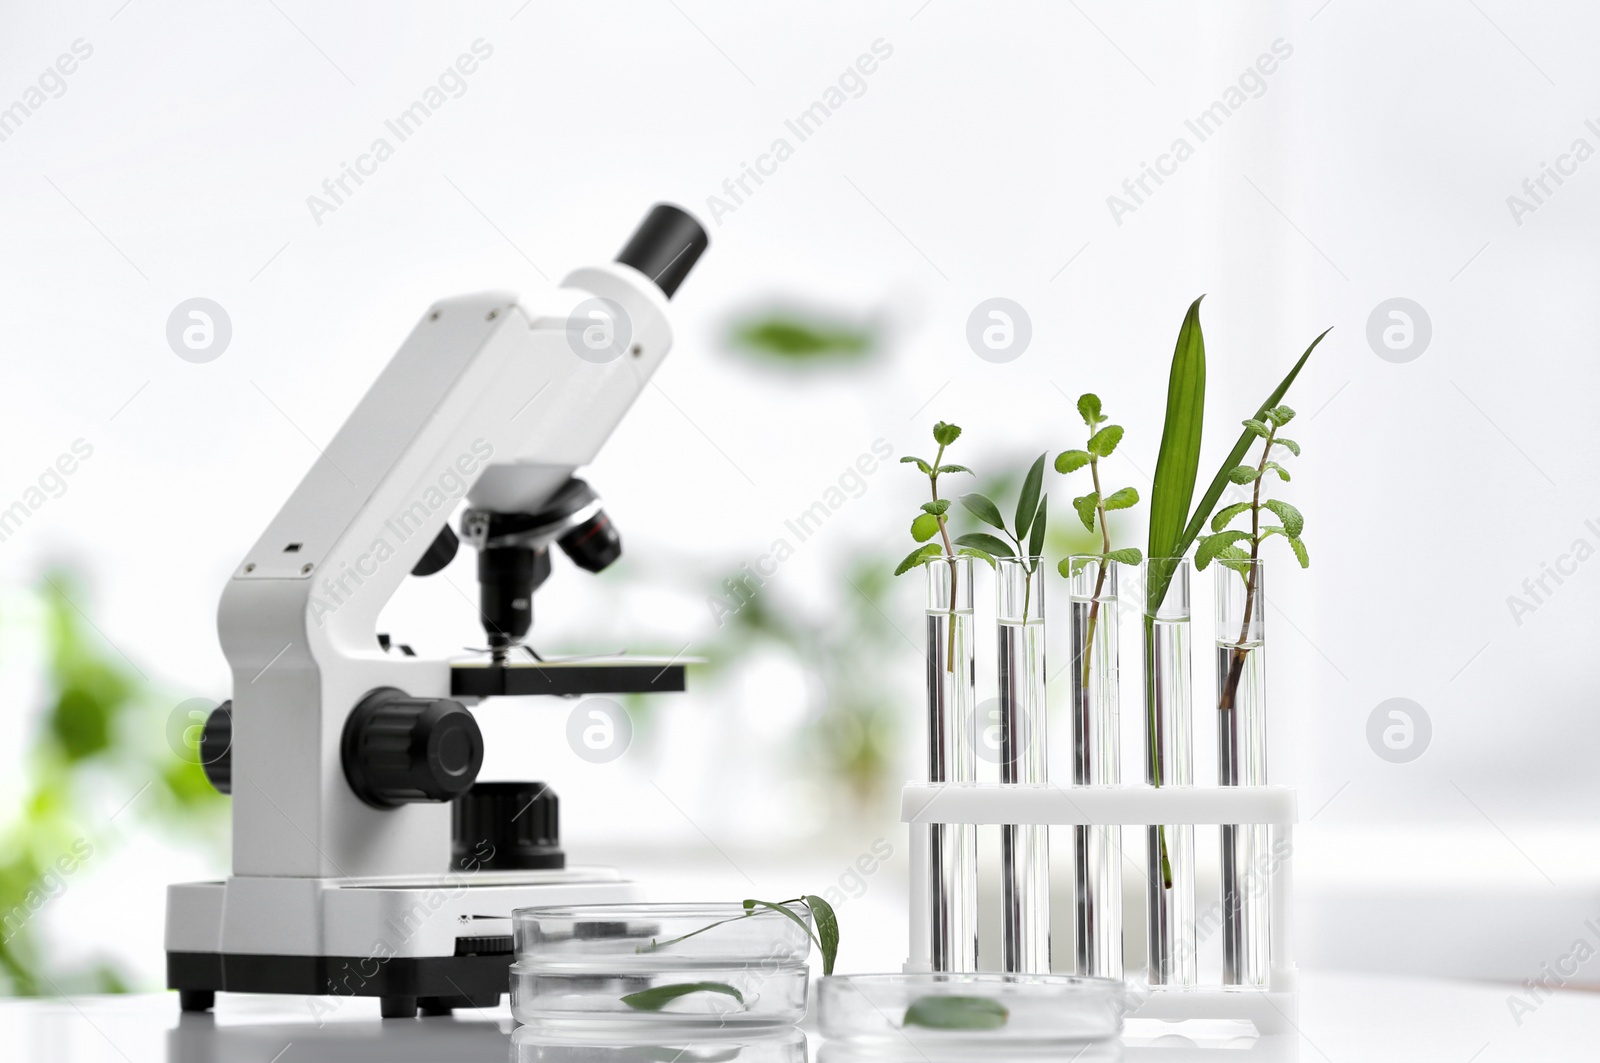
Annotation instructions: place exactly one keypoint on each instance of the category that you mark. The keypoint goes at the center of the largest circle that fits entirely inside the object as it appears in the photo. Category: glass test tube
(1096, 761)
(952, 758)
(1024, 848)
(1169, 761)
(1242, 761)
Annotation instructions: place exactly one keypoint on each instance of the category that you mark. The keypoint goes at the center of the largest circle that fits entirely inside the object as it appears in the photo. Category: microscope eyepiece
(665, 246)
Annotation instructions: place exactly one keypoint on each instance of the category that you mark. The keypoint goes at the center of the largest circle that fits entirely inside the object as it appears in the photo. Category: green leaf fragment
(1242, 474)
(1085, 505)
(937, 508)
(955, 468)
(945, 434)
(1226, 514)
(1036, 539)
(1071, 460)
(1299, 549)
(1211, 545)
(1028, 498)
(1293, 447)
(920, 556)
(984, 509)
(660, 996)
(956, 1013)
(923, 467)
(1128, 555)
(924, 527)
(1293, 522)
(1178, 459)
(1089, 409)
(1257, 427)
(1280, 415)
(1103, 442)
(987, 543)
(967, 551)
(1122, 498)
(827, 931)
(1272, 466)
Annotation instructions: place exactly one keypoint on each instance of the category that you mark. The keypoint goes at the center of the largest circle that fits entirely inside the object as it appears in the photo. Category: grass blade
(1178, 461)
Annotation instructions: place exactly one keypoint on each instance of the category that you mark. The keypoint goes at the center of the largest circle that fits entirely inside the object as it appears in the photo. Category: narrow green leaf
(937, 507)
(1036, 537)
(1089, 409)
(1071, 460)
(1272, 466)
(945, 434)
(1227, 513)
(1242, 474)
(1256, 427)
(1122, 498)
(1028, 499)
(1300, 554)
(924, 527)
(955, 468)
(1293, 522)
(1219, 483)
(920, 556)
(827, 931)
(987, 543)
(1103, 442)
(985, 510)
(922, 466)
(1085, 505)
(956, 1013)
(1128, 555)
(1178, 460)
(1211, 545)
(660, 996)
(1293, 447)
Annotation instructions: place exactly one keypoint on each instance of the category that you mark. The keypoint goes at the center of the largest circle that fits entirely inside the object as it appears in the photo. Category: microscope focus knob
(401, 750)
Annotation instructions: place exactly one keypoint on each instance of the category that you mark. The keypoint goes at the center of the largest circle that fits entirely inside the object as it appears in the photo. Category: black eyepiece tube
(665, 246)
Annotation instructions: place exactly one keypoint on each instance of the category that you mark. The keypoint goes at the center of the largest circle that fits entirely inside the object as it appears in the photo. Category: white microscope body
(490, 399)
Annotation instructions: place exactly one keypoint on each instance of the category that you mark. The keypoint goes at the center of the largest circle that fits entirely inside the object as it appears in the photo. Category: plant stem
(1155, 745)
(1100, 577)
(949, 551)
(1230, 689)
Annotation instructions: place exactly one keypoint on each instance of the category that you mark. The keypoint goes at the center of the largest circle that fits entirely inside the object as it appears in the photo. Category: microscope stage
(483, 678)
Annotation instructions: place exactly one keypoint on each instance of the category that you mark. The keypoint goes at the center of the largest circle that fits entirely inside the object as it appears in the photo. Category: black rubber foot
(435, 1005)
(197, 999)
(398, 1007)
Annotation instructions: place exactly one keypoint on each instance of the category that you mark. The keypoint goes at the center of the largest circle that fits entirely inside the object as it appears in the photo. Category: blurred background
(1414, 175)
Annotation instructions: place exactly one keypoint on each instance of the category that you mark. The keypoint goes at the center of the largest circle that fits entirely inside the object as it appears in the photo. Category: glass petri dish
(532, 1044)
(900, 1012)
(623, 938)
(704, 998)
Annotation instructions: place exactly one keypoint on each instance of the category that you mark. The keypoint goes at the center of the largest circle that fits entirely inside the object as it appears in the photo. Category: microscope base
(435, 944)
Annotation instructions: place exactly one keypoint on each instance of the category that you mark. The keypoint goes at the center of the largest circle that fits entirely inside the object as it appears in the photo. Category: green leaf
(1299, 549)
(1257, 427)
(1089, 409)
(660, 996)
(956, 1013)
(1280, 415)
(1103, 442)
(924, 527)
(1219, 483)
(1071, 460)
(1211, 545)
(967, 551)
(945, 434)
(955, 468)
(1283, 474)
(1085, 505)
(1178, 460)
(920, 556)
(1036, 539)
(827, 931)
(922, 466)
(985, 510)
(1028, 499)
(789, 913)
(936, 507)
(1242, 474)
(987, 543)
(1293, 522)
(1294, 448)
(1227, 513)
(1122, 498)
(1235, 558)
(1128, 555)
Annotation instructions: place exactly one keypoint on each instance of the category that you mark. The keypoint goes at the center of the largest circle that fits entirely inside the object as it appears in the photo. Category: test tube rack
(1272, 1008)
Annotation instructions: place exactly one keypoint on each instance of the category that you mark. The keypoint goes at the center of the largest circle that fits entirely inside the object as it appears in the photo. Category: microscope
(367, 859)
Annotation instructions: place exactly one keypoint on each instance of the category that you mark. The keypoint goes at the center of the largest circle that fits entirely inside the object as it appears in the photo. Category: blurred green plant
(802, 338)
(102, 732)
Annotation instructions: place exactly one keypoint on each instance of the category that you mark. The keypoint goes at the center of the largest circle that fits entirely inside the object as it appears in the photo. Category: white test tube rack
(1272, 1008)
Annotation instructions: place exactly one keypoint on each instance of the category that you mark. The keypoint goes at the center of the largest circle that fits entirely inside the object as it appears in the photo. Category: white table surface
(1362, 1019)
